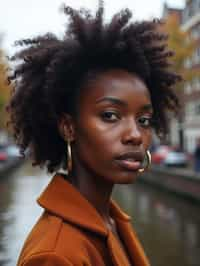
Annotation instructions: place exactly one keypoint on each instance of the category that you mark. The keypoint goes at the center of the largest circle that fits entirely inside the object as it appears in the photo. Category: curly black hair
(50, 71)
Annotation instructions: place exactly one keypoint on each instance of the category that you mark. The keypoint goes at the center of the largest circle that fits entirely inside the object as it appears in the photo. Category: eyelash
(149, 119)
(105, 117)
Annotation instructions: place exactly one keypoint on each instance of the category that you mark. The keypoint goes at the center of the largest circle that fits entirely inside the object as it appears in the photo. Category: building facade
(191, 22)
(189, 127)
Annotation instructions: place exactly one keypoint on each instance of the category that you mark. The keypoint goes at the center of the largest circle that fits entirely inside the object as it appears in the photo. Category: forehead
(115, 83)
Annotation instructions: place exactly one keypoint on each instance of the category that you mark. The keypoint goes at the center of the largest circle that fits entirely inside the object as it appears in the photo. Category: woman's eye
(145, 121)
(110, 116)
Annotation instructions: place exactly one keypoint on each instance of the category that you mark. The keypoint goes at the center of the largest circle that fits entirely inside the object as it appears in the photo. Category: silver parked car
(176, 159)
(12, 151)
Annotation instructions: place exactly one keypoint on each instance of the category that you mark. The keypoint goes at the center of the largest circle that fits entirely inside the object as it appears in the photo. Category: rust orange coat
(70, 232)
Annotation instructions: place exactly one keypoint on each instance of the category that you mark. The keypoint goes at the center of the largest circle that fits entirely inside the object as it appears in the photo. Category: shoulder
(54, 242)
(45, 258)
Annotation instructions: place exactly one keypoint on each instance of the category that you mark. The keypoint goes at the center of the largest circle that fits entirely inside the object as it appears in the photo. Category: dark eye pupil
(108, 115)
(143, 119)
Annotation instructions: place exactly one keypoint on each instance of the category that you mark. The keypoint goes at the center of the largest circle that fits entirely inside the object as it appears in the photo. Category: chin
(129, 178)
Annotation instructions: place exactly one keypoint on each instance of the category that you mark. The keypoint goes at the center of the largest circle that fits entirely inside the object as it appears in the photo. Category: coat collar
(65, 201)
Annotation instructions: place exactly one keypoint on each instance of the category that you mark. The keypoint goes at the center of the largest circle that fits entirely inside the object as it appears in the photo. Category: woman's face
(113, 128)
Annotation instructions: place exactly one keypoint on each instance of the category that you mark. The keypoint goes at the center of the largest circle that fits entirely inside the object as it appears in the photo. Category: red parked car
(3, 156)
(160, 153)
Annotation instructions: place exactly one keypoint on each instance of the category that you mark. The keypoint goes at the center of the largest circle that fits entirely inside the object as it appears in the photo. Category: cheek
(94, 151)
(94, 140)
(96, 133)
(147, 139)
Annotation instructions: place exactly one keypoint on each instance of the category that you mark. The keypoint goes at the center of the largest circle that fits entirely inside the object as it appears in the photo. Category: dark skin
(115, 119)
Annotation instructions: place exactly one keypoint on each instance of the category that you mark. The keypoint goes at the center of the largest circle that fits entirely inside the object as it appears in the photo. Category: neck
(94, 189)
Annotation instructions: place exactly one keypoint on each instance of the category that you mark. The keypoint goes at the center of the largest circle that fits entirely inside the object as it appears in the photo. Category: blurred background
(164, 202)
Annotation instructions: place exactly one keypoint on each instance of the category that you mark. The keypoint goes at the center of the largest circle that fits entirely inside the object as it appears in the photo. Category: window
(196, 83)
(192, 111)
(195, 32)
(188, 63)
(196, 56)
(197, 108)
(189, 110)
(188, 88)
(191, 86)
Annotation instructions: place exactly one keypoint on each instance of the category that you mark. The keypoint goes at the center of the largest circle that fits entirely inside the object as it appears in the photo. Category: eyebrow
(146, 107)
(112, 100)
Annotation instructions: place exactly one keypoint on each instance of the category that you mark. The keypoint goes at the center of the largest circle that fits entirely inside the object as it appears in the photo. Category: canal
(168, 226)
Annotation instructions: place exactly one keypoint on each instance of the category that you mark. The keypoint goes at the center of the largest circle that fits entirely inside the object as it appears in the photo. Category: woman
(87, 104)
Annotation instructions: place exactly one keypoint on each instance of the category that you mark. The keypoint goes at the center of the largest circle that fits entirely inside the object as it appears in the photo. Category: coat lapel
(132, 244)
(128, 235)
(117, 254)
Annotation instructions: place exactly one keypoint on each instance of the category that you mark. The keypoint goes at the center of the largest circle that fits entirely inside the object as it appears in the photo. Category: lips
(131, 161)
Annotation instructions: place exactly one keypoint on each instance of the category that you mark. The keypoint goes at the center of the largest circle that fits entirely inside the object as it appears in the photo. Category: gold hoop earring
(69, 157)
(148, 158)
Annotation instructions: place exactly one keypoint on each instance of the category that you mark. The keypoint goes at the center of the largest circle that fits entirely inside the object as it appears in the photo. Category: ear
(66, 127)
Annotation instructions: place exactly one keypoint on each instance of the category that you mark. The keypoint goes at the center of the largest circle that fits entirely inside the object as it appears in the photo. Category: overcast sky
(26, 18)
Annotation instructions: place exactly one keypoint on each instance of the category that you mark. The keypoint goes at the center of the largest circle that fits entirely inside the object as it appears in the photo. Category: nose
(132, 133)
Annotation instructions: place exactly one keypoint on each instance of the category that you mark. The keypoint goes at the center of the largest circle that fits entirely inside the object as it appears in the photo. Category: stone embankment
(183, 182)
(9, 165)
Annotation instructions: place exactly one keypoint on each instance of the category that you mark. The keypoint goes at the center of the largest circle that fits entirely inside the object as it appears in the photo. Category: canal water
(168, 226)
